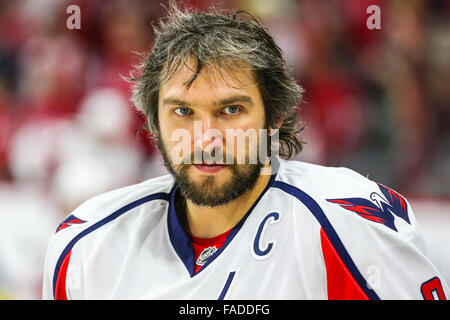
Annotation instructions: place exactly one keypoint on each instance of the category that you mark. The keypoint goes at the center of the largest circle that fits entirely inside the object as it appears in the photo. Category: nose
(207, 134)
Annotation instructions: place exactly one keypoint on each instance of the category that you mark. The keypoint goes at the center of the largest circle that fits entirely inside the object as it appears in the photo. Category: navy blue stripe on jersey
(227, 285)
(181, 241)
(318, 213)
(95, 226)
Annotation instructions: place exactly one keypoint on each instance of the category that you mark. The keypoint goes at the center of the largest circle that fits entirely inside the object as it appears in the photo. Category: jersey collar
(181, 241)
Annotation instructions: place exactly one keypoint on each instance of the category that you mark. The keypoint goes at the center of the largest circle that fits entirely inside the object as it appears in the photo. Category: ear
(273, 130)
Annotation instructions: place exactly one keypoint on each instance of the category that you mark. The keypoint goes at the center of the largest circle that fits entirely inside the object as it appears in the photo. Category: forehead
(212, 82)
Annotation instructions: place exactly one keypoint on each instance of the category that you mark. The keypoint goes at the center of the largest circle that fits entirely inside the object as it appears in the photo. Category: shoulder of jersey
(313, 177)
(348, 195)
(103, 205)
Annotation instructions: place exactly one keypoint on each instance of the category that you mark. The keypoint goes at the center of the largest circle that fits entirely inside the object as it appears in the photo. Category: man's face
(199, 118)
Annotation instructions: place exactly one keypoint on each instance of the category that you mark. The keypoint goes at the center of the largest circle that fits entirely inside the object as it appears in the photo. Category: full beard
(208, 192)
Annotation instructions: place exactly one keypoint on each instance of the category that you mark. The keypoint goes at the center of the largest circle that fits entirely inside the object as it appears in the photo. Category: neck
(209, 222)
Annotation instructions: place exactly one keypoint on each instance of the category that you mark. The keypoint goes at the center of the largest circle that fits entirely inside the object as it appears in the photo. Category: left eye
(182, 111)
(231, 110)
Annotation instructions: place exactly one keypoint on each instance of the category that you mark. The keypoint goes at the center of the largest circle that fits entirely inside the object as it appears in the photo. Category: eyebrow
(226, 101)
(235, 99)
(175, 101)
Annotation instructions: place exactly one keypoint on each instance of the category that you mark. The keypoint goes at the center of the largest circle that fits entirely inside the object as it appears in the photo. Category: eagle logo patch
(381, 208)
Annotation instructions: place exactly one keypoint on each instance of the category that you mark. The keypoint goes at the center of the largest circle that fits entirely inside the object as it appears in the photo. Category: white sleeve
(57, 261)
(47, 286)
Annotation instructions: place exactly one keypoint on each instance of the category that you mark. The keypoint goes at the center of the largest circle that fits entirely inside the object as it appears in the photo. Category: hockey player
(220, 228)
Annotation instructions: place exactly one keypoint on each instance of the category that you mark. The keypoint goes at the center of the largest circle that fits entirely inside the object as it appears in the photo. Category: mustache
(216, 156)
(205, 158)
(209, 158)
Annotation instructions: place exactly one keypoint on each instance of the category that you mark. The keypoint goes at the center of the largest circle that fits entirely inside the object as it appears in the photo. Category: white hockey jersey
(314, 233)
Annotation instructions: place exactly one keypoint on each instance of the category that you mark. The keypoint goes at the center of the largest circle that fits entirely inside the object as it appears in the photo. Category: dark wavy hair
(221, 40)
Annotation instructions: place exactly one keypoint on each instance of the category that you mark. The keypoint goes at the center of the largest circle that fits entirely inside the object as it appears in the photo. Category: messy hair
(221, 40)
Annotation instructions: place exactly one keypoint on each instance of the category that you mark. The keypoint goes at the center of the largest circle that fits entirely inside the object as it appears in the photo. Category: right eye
(182, 111)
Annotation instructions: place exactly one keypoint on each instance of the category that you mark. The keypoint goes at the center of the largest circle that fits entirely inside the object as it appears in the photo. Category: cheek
(162, 124)
(244, 140)
(167, 130)
(177, 143)
(165, 135)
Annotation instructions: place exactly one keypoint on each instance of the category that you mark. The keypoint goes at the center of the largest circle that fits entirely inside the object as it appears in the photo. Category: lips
(210, 168)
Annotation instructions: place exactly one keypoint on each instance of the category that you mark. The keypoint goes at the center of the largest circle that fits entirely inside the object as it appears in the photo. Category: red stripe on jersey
(60, 290)
(340, 283)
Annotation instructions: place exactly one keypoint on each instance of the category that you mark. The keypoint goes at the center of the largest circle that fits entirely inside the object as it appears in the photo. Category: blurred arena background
(376, 101)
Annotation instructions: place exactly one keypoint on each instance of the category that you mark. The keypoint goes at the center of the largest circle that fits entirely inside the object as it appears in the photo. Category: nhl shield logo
(205, 255)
